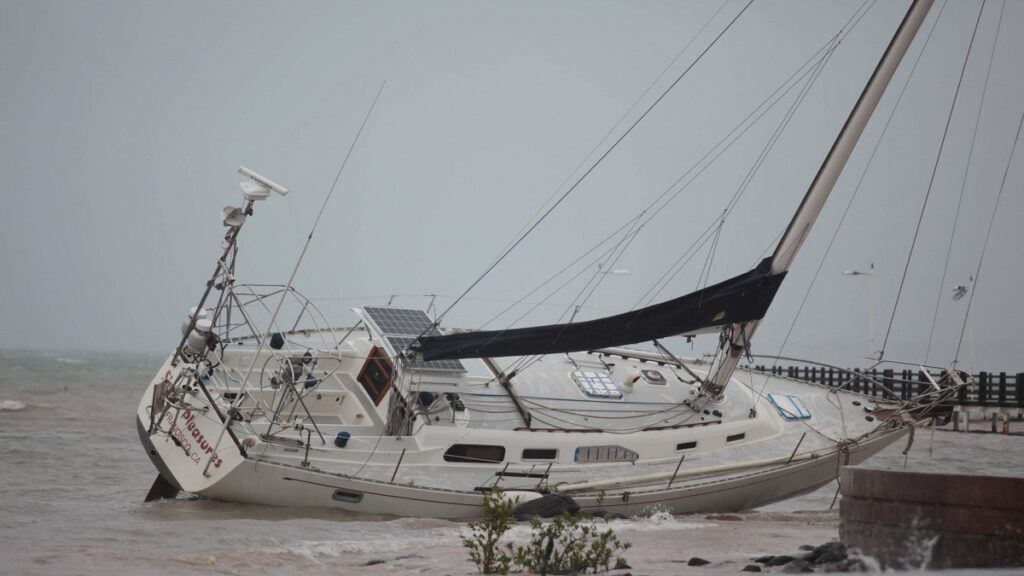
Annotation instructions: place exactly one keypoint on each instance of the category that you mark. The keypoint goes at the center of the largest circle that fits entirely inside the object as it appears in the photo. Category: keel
(162, 489)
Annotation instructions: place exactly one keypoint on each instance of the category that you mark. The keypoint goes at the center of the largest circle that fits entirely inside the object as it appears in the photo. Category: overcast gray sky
(122, 125)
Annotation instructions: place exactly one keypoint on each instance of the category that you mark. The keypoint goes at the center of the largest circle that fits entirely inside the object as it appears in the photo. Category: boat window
(605, 454)
(596, 384)
(474, 453)
(540, 454)
(736, 437)
(686, 445)
(347, 496)
(376, 375)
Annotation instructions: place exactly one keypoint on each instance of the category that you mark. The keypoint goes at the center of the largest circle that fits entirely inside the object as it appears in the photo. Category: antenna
(265, 183)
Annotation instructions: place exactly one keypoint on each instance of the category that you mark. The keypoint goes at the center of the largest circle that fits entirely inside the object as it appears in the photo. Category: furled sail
(740, 299)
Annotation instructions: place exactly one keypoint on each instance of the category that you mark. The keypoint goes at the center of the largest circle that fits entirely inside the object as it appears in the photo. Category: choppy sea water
(73, 477)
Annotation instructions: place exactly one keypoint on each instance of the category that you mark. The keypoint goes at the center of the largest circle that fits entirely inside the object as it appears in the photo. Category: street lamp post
(871, 304)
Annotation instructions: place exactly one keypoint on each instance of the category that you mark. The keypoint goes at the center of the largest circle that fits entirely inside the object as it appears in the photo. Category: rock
(764, 559)
(806, 547)
(547, 506)
(834, 551)
(830, 558)
(797, 566)
(751, 568)
(779, 560)
(374, 562)
(696, 561)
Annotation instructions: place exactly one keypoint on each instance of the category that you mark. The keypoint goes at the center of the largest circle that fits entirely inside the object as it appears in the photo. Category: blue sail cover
(740, 299)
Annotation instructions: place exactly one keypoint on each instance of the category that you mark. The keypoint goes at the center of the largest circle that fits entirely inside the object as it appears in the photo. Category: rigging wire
(714, 153)
(792, 81)
(773, 139)
(769, 146)
(713, 230)
(615, 144)
(856, 190)
(813, 73)
(988, 234)
(550, 279)
(963, 184)
(705, 272)
(605, 268)
(618, 122)
(931, 182)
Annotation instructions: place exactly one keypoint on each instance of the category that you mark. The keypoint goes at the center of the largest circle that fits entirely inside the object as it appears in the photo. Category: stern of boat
(184, 436)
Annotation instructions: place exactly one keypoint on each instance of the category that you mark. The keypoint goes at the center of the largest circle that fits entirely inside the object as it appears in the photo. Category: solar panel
(401, 327)
(400, 343)
(401, 321)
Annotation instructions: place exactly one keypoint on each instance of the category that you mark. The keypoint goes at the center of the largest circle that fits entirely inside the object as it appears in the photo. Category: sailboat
(400, 415)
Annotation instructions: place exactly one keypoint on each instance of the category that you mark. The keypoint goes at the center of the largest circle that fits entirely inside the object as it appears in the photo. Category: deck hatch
(596, 384)
(789, 407)
(654, 377)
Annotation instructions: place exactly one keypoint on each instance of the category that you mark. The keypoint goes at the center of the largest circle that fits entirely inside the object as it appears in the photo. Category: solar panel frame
(400, 327)
(401, 321)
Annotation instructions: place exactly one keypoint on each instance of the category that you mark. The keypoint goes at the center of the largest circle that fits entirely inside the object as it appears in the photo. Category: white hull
(278, 485)
(408, 476)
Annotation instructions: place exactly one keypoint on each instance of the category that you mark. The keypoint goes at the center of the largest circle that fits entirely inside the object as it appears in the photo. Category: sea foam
(11, 405)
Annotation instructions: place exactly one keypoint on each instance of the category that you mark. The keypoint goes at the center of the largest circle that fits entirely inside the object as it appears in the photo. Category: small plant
(483, 538)
(567, 544)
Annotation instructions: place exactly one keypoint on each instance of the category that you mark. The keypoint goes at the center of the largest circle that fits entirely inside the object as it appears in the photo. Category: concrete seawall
(915, 520)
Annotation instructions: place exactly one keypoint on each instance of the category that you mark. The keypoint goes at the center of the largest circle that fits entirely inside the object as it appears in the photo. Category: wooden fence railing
(988, 388)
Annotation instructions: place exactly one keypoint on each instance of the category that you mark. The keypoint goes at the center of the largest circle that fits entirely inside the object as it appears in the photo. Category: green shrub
(482, 540)
(567, 544)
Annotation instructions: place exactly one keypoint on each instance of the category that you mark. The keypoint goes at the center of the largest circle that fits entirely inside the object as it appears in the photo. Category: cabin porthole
(545, 454)
(475, 453)
(349, 496)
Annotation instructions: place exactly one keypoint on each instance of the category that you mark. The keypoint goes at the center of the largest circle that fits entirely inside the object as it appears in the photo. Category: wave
(656, 518)
(11, 405)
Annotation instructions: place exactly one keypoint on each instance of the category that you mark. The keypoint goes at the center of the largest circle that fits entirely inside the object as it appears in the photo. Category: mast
(735, 338)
